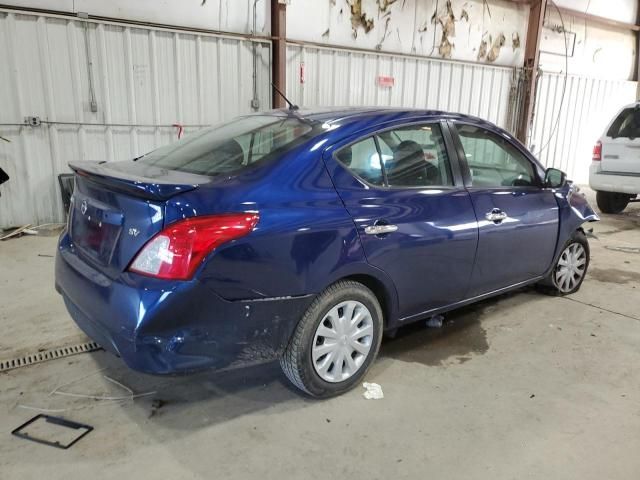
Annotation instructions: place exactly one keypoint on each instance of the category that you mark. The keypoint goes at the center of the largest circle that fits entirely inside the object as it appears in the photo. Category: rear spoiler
(141, 186)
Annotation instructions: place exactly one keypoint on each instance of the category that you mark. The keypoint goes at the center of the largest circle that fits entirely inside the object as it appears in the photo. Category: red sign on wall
(386, 82)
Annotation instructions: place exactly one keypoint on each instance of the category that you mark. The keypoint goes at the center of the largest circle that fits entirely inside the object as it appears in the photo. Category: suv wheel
(336, 341)
(610, 202)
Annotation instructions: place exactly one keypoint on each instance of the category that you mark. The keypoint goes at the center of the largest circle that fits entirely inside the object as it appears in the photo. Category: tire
(303, 362)
(575, 252)
(610, 202)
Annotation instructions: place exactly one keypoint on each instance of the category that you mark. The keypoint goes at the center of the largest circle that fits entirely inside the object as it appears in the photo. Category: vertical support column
(636, 68)
(155, 88)
(531, 60)
(131, 93)
(56, 209)
(279, 51)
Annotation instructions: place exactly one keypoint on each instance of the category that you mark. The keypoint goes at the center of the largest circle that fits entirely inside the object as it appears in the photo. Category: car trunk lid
(117, 207)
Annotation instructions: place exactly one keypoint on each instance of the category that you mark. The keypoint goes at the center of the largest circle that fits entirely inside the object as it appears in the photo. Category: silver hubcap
(571, 267)
(342, 341)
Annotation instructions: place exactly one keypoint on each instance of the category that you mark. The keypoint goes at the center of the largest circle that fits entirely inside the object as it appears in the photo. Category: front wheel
(336, 341)
(570, 268)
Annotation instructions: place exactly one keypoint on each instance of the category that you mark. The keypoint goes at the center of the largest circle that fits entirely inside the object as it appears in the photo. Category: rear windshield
(233, 146)
(626, 125)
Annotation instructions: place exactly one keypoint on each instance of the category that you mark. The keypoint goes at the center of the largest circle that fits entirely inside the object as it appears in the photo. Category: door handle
(380, 229)
(496, 215)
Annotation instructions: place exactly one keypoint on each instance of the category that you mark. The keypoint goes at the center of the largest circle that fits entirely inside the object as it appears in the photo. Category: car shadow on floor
(461, 336)
(186, 402)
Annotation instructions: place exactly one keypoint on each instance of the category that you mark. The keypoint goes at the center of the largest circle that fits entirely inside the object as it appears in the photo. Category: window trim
(464, 165)
(383, 168)
(452, 156)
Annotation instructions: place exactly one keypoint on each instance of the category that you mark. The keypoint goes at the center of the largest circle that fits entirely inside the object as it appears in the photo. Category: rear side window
(413, 156)
(626, 124)
(363, 160)
(233, 146)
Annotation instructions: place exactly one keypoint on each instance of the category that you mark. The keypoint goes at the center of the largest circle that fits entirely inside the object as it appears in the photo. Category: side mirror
(555, 178)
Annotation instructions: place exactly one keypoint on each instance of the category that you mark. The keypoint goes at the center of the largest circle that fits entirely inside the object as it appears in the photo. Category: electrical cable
(564, 87)
(120, 125)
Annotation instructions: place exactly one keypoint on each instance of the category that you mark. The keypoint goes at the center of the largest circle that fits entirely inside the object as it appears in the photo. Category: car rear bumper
(613, 181)
(163, 328)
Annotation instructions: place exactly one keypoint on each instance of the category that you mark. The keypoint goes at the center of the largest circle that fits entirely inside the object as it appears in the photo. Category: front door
(414, 217)
(517, 217)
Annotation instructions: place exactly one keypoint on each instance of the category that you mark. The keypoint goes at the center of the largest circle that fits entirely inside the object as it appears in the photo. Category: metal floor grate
(47, 355)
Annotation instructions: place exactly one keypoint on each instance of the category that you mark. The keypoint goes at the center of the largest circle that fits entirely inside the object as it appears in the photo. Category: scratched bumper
(186, 328)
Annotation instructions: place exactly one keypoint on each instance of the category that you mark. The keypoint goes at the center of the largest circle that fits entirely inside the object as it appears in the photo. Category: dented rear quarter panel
(304, 241)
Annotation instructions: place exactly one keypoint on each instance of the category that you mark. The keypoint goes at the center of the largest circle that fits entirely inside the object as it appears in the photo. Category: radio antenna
(292, 107)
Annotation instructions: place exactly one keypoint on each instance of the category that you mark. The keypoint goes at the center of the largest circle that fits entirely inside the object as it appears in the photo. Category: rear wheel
(336, 341)
(611, 202)
(570, 268)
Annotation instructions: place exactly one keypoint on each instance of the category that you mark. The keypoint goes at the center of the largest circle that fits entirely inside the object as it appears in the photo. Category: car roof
(369, 115)
(361, 118)
(357, 118)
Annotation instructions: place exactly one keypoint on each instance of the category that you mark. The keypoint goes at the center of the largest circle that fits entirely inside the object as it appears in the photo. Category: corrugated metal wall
(145, 81)
(589, 105)
(343, 77)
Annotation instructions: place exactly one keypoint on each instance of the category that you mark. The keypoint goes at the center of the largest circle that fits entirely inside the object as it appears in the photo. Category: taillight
(597, 152)
(176, 252)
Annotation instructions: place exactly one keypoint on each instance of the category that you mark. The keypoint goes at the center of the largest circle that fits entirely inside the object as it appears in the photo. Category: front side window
(233, 146)
(412, 156)
(493, 161)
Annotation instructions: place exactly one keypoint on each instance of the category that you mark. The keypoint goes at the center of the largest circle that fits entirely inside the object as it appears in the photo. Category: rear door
(621, 143)
(517, 217)
(413, 214)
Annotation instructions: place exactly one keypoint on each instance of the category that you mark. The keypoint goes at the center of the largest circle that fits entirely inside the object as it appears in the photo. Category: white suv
(615, 168)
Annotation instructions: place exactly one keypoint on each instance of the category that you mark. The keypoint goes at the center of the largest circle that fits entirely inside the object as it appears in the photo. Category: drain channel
(47, 355)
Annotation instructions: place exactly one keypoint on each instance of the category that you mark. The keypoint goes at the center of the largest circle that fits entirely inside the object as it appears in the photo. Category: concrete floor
(522, 386)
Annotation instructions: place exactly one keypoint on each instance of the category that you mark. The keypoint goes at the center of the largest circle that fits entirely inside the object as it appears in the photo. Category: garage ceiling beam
(279, 51)
(531, 61)
(599, 20)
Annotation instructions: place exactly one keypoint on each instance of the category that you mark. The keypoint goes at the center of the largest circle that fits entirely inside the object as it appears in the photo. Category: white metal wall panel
(565, 130)
(349, 78)
(145, 81)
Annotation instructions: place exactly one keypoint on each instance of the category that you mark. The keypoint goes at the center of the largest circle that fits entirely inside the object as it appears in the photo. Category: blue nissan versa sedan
(304, 235)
